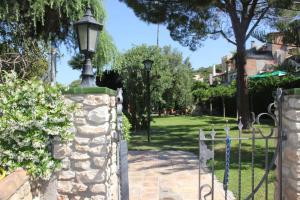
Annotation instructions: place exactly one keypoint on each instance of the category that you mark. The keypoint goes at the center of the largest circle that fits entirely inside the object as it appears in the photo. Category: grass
(181, 133)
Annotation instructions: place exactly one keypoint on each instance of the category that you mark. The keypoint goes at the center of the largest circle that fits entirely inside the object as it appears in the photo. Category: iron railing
(207, 190)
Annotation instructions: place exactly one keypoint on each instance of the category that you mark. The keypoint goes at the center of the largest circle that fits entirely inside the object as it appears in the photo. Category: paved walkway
(167, 175)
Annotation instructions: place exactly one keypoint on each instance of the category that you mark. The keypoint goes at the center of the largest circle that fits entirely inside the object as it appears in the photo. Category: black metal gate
(234, 157)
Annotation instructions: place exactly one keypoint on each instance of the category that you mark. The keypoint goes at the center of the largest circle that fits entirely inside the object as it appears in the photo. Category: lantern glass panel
(93, 33)
(148, 64)
(82, 34)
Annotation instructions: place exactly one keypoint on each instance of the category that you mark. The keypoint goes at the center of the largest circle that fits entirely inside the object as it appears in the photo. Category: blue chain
(227, 164)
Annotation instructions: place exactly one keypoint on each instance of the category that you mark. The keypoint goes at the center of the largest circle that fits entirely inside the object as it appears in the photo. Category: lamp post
(298, 34)
(148, 65)
(87, 29)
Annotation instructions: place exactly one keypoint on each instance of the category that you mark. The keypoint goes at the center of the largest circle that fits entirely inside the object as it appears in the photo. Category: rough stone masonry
(291, 149)
(89, 163)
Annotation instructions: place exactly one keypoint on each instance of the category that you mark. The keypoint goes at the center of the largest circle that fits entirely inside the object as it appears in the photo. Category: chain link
(227, 164)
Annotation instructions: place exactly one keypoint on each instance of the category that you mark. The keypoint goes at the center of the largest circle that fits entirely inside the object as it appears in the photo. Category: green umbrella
(268, 74)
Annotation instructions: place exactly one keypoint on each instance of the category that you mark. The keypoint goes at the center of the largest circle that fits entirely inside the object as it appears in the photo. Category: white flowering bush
(33, 114)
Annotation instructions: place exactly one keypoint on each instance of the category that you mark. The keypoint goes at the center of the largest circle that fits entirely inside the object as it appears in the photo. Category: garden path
(167, 175)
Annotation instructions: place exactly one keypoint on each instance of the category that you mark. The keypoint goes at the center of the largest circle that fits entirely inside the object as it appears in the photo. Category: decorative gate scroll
(207, 191)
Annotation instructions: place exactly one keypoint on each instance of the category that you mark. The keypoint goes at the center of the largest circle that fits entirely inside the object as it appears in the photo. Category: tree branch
(257, 22)
(235, 21)
(224, 36)
(247, 20)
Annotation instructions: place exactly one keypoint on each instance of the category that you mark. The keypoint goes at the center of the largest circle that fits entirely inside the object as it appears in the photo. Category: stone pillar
(291, 147)
(89, 163)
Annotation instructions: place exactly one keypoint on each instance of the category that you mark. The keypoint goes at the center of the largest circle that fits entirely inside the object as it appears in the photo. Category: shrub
(126, 128)
(33, 113)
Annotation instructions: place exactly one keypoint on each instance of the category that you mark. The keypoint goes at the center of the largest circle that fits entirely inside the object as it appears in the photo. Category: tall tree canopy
(171, 81)
(192, 21)
(37, 24)
(134, 80)
(43, 19)
(179, 95)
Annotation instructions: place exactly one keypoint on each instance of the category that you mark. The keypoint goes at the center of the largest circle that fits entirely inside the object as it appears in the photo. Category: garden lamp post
(298, 34)
(148, 65)
(87, 29)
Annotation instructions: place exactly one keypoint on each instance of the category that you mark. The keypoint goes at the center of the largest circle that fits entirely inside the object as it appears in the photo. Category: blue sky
(127, 30)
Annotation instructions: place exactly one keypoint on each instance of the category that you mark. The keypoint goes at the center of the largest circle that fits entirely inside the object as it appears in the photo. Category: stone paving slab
(168, 175)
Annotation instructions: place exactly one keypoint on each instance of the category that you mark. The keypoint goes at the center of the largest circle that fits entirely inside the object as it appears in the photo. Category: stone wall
(15, 186)
(291, 148)
(89, 163)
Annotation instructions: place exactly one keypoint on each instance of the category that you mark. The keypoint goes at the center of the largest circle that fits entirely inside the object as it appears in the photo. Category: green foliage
(270, 83)
(190, 22)
(223, 91)
(134, 80)
(44, 19)
(126, 128)
(33, 114)
(171, 81)
(179, 95)
(201, 92)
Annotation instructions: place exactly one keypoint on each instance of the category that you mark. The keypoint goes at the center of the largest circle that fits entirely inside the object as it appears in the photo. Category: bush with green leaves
(126, 128)
(33, 114)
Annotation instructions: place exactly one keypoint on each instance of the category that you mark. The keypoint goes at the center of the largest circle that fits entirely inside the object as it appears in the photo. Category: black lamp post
(148, 65)
(298, 34)
(87, 29)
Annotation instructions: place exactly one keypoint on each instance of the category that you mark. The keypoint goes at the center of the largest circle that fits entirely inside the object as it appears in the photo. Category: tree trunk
(134, 115)
(224, 109)
(159, 109)
(242, 85)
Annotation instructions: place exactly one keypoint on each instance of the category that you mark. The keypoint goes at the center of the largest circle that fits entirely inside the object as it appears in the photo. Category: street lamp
(148, 65)
(87, 29)
(297, 29)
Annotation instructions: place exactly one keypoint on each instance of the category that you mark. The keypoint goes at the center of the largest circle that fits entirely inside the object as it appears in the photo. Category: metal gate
(122, 151)
(272, 154)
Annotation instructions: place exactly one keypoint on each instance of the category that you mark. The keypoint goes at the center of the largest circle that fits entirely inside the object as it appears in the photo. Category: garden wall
(291, 146)
(89, 163)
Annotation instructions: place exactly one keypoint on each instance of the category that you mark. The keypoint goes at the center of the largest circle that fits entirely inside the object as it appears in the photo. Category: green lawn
(181, 133)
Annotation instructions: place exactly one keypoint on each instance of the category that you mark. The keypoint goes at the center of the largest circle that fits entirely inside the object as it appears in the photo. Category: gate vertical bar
(266, 167)
(279, 98)
(213, 133)
(240, 126)
(227, 160)
(122, 151)
(213, 171)
(199, 191)
(252, 163)
(119, 131)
